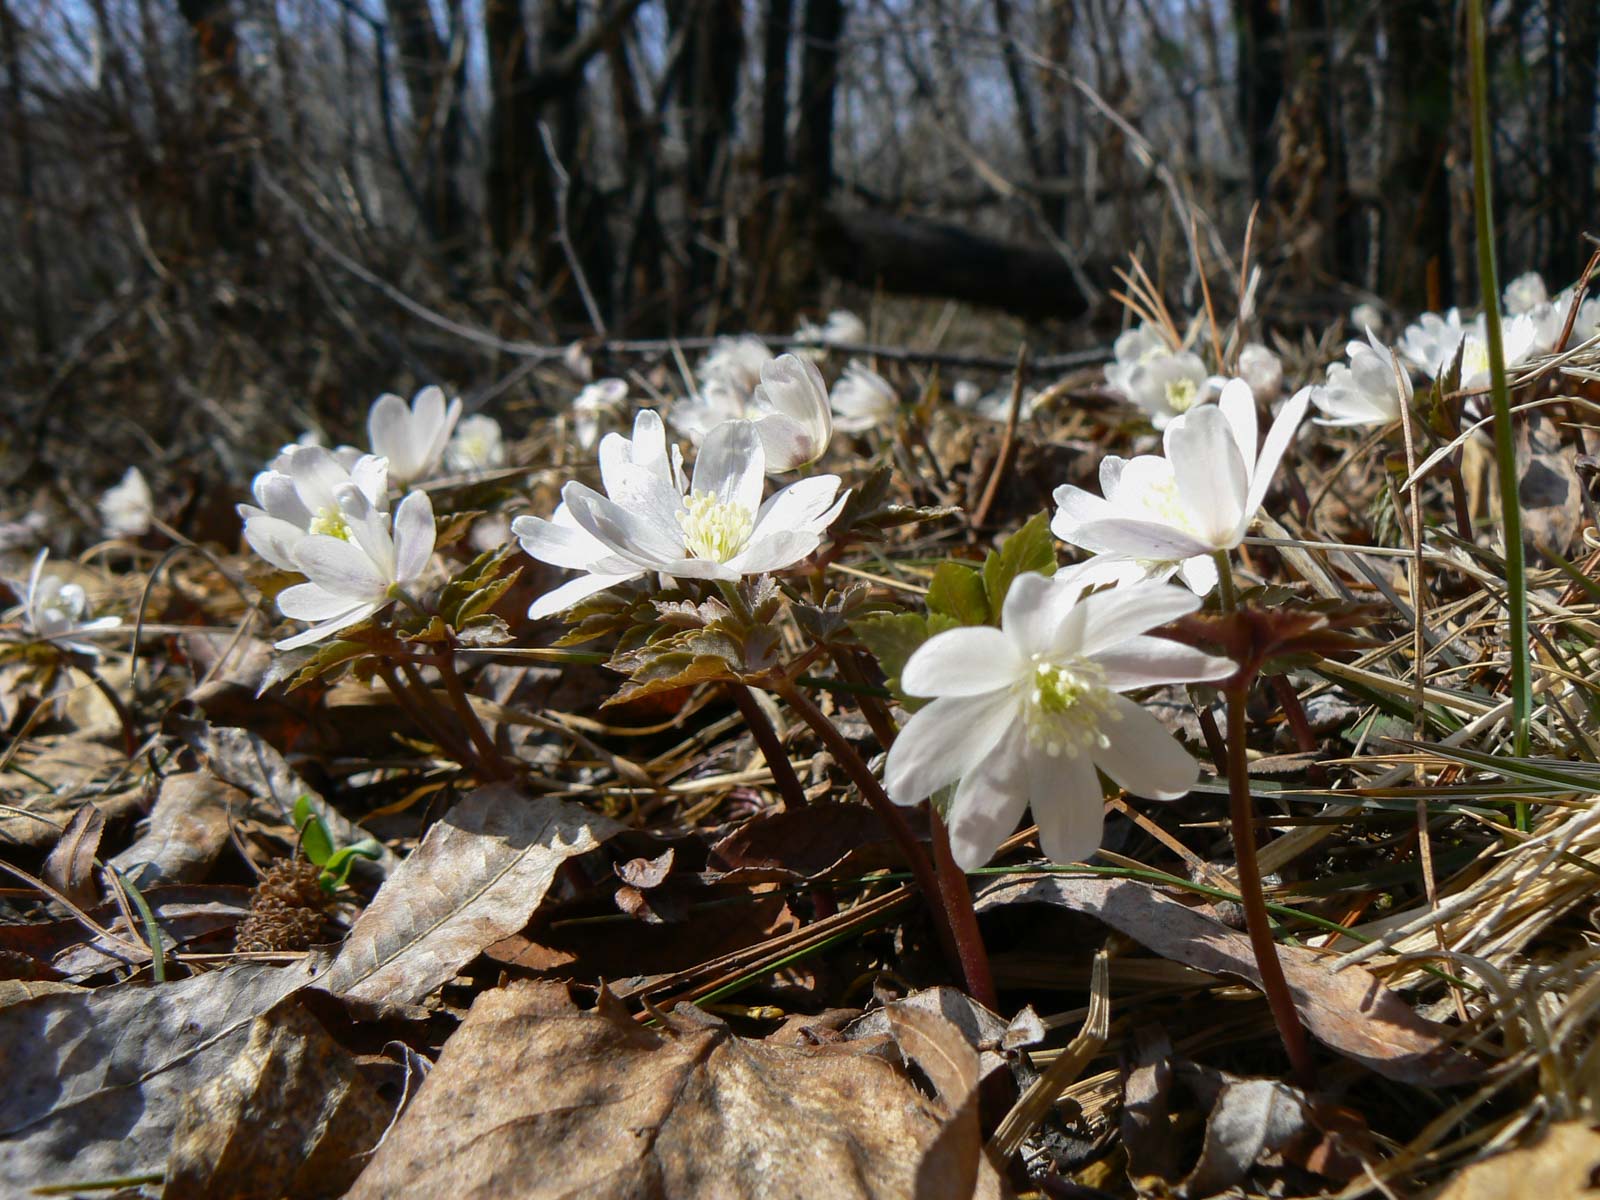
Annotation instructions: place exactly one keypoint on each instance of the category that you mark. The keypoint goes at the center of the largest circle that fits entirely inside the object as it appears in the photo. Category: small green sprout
(317, 843)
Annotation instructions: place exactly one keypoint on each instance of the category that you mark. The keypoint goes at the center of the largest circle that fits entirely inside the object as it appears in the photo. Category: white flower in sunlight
(412, 437)
(736, 362)
(1143, 488)
(1432, 342)
(1199, 499)
(1023, 715)
(477, 445)
(1134, 347)
(599, 402)
(56, 611)
(1525, 293)
(1167, 386)
(1262, 370)
(351, 573)
(1551, 318)
(791, 412)
(1370, 391)
(788, 402)
(995, 405)
(299, 495)
(842, 328)
(1367, 316)
(966, 394)
(650, 520)
(862, 399)
(127, 508)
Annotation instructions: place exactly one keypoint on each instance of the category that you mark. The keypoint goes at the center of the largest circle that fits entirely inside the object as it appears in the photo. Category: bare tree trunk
(27, 200)
(1416, 226)
(775, 89)
(819, 77)
(513, 151)
(1261, 33)
(226, 189)
(1572, 143)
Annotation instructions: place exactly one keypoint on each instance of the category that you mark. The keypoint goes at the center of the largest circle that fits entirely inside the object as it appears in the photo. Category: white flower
(477, 445)
(737, 362)
(1431, 342)
(601, 400)
(1431, 345)
(1551, 318)
(412, 438)
(966, 394)
(1024, 714)
(1162, 513)
(127, 508)
(1262, 370)
(1367, 317)
(995, 405)
(1370, 391)
(842, 328)
(788, 402)
(351, 574)
(862, 399)
(791, 412)
(1525, 293)
(649, 520)
(55, 611)
(298, 496)
(1167, 385)
(1133, 347)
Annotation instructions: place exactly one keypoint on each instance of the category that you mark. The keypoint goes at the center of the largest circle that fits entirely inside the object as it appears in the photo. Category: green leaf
(315, 840)
(893, 638)
(337, 868)
(1031, 548)
(958, 591)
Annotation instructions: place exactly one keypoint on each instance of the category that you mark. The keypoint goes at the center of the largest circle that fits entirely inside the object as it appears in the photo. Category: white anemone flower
(1431, 345)
(477, 445)
(650, 519)
(1198, 500)
(1133, 347)
(127, 508)
(412, 438)
(1526, 293)
(597, 403)
(1372, 390)
(1168, 385)
(298, 496)
(842, 328)
(353, 574)
(791, 412)
(1023, 715)
(788, 402)
(737, 362)
(862, 399)
(1262, 370)
(1367, 316)
(54, 610)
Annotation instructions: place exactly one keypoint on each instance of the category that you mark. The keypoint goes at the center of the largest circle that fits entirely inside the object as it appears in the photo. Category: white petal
(1107, 619)
(798, 506)
(1277, 441)
(786, 443)
(1238, 404)
(389, 434)
(1074, 507)
(1034, 610)
(413, 537)
(1143, 757)
(1068, 806)
(369, 528)
(340, 567)
(1199, 574)
(317, 632)
(1143, 661)
(371, 474)
(560, 599)
(274, 540)
(989, 802)
(313, 602)
(637, 536)
(963, 662)
(944, 741)
(772, 552)
(732, 466)
(1129, 538)
(280, 498)
(1213, 477)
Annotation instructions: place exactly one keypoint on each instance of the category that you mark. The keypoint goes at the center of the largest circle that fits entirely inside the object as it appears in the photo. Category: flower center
(1181, 394)
(1474, 358)
(330, 523)
(1066, 705)
(713, 528)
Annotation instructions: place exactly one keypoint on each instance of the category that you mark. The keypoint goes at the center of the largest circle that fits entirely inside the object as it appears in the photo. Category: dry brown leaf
(95, 1080)
(69, 868)
(186, 830)
(535, 1098)
(289, 1116)
(60, 773)
(1351, 1011)
(478, 877)
(1563, 1164)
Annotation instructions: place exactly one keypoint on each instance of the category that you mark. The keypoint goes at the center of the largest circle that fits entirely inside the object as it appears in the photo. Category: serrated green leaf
(322, 662)
(958, 591)
(893, 638)
(1031, 548)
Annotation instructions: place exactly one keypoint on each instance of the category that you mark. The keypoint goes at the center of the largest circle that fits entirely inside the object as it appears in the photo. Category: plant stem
(1230, 594)
(409, 696)
(888, 812)
(963, 917)
(783, 776)
(490, 760)
(1504, 441)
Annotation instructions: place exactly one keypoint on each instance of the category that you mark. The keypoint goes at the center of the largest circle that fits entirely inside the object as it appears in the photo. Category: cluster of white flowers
(1163, 380)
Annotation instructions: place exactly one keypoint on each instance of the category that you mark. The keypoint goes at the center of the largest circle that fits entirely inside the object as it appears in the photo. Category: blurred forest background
(224, 217)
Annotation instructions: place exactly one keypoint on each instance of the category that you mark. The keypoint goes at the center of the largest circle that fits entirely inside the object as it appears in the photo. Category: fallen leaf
(981, 1028)
(69, 868)
(1251, 1118)
(95, 1080)
(1351, 1011)
(289, 1116)
(537, 1098)
(1563, 1163)
(478, 876)
(186, 830)
(47, 780)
